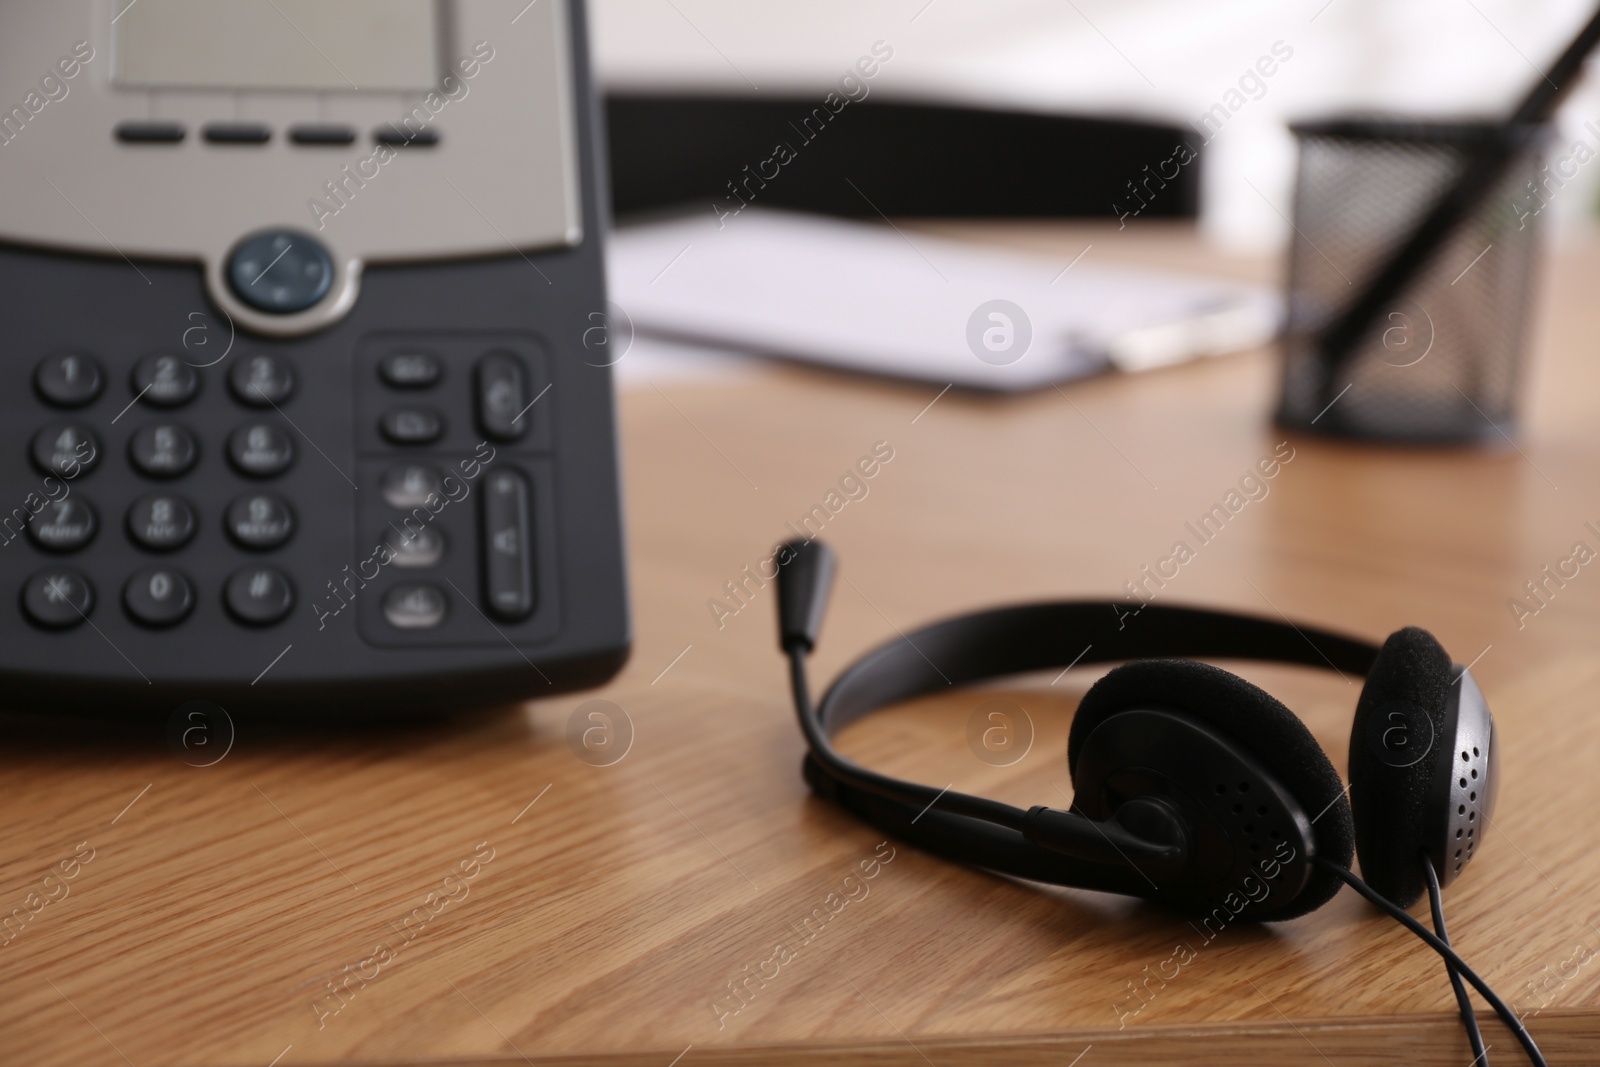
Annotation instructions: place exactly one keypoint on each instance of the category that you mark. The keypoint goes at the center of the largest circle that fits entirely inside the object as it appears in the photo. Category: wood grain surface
(482, 891)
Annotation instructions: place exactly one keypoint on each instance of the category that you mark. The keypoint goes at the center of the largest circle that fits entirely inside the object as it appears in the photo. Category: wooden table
(608, 908)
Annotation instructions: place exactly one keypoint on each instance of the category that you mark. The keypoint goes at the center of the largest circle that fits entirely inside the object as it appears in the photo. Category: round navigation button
(261, 380)
(163, 380)
(280, 272)
(69, 379)
(63, 525)
(57, 599)
(258, 596)
(158, 597)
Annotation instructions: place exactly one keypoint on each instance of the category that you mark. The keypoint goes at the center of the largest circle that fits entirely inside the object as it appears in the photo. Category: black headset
(1192, 788)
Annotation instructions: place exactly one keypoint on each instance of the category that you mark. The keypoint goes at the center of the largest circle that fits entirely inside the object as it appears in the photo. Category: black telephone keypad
(463, 406)
(415, 607)
(158, 596)
(69, 379)
(164, 522)
(410, 368)
(261, 380)
(164, 380)
(57, 598)
(161, 522)
(412, 425)
(260, 450)
(259, 596)
(259, 521)
(65, 449)
(163, 450)
(64, 525)
(502, 398)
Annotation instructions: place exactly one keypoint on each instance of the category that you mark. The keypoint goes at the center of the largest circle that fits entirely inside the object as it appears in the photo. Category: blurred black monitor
(894, 158)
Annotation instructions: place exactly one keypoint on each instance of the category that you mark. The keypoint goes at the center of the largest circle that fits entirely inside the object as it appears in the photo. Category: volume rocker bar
(507, 547)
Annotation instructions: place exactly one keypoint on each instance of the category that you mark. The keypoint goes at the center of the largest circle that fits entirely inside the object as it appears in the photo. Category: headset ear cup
(1255, 720)
(1396, 743)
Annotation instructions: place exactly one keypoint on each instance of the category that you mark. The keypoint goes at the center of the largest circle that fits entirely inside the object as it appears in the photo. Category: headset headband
(1038, 637)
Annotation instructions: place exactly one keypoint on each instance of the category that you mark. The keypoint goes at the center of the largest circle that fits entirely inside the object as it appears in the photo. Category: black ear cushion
(1266, 729)
(1409, 681)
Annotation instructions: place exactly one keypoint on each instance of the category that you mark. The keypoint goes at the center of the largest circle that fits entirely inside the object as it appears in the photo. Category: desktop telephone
(303, 404)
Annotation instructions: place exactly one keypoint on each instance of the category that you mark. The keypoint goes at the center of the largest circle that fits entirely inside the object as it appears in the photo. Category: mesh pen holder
(1443, 363)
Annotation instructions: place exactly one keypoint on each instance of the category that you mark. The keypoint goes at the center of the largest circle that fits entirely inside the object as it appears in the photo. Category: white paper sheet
(877, 300)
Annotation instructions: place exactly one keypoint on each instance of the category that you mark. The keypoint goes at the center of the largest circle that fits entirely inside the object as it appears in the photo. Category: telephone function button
(165, 450)
(57, 599)
(261, 380)
(242, 133)
(259, 596)
(161, 522)
(67, 449)
(412, 486)
(414, 607)
(158, 596)
(507, 547)
(134, 132)
(502, 396)
(280, 272)
(64, 525)
(410, 369)
(69, 379)
(259, 521)
(322, 133)
(412, 426)
(164, 380)
(415, 548)
(260, 450)
(397, 135)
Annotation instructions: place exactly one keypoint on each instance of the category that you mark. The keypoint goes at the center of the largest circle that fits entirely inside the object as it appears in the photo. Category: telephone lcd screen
(310, 45)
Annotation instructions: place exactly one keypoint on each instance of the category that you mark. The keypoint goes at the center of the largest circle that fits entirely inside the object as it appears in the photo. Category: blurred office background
(1166, 62)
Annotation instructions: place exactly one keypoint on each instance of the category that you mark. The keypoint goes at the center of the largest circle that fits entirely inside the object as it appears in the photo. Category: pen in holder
(1442, 361)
